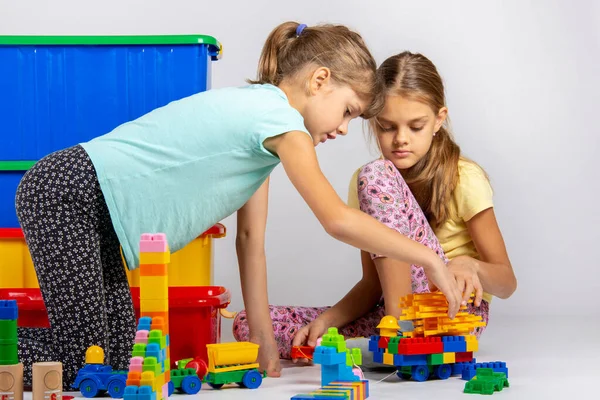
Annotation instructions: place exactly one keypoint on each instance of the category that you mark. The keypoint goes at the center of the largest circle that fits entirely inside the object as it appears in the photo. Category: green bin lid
(129, 40)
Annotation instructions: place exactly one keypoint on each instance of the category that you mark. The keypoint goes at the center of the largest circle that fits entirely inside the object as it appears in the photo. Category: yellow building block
(147, 379)
(388, 358)
(154, 305)
(449, 358)
(472, 343)
(154, 287)
(155, 258)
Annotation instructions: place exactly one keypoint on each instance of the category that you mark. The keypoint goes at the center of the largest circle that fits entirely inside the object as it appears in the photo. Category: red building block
(426, 345)
(302, 352)
(383, 342)
(464, 356)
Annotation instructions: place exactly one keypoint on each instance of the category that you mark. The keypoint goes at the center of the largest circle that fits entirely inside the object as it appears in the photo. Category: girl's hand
(308, 335)
(465, 270)
(443, 279)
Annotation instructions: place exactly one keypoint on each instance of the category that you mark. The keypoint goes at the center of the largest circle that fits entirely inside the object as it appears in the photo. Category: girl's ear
(320, 79)
(440, 118)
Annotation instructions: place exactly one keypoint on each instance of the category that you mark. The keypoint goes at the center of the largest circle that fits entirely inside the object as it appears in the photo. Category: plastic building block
(139, 350)
(146, 393)
(153, 243)
(8, 310)
(402, 360)
(302, 352)
(454, 344)
(155, 258)
(153, 351)
(153, 270)
(154, 305)
(353, 357)
(153, 288)
(157, 337)
(328, 356)
(152, 365)
(486, 382)
(428, 345)
(362, 387)
(131, 393)
(144, 324)
(136, 364)
(472, 343)
(388, 358)
(435, 359)
(133, 378)
(449, 358)
(383, 342)
(141, 336)
(378, 357)
(333, 339)
(463, 357)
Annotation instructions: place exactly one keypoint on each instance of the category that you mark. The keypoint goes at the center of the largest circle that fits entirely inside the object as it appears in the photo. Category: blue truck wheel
(88, 388)
(420, 373)
(116, 387)
(191, 384)
(443, 371)
(252, 379)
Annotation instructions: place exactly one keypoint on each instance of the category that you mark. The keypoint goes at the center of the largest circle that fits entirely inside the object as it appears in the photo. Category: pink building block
(165, 391)
(153, 243)
(141, 337)
(136, 364)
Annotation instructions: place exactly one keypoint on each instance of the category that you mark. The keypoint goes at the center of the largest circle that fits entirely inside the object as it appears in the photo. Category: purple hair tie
(299, 29)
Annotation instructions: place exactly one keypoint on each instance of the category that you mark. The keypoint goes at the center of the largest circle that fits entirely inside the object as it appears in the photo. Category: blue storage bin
(56, 92)
(9, 181)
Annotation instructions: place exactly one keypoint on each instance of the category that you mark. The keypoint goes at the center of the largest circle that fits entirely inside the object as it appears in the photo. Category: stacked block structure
(338, 381)
(437, 345)
(11, 370)
(149, 376)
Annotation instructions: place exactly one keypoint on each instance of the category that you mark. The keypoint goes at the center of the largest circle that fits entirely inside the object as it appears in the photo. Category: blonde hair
(433, 178)
(336, 47)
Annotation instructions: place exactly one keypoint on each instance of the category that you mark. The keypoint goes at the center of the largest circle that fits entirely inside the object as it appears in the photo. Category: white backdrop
(523, 88)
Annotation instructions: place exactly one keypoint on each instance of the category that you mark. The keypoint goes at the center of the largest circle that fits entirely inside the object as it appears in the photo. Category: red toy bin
(32, 311)
(194, 319)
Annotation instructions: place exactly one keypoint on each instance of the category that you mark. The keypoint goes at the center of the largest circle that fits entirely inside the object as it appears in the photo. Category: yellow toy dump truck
(227, 363)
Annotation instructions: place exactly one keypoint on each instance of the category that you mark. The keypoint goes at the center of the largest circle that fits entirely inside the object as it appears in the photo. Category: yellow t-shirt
(473, 194)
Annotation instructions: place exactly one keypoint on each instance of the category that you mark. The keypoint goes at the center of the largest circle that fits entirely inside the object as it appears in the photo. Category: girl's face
(405, 130)
(328, 112)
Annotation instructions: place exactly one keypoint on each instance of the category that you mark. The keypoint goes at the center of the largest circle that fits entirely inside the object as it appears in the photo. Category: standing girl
(183, 167)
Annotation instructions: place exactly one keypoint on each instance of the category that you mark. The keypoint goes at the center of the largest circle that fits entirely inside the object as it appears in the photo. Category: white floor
(547, 358)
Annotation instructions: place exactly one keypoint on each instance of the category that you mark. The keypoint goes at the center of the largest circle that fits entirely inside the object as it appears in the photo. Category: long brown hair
(336, 47)
(433, 178)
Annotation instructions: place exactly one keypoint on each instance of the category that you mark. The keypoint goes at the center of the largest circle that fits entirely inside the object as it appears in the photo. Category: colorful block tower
(149, 371)
(11, 371)
(337, 378)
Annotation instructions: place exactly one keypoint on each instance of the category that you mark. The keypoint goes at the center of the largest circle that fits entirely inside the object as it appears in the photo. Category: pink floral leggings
(384, 195)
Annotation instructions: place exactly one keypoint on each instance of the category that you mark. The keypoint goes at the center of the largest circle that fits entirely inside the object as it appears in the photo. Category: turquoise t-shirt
(183, 167)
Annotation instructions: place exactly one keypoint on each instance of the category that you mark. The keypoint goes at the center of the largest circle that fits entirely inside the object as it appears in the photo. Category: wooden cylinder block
(47, 381)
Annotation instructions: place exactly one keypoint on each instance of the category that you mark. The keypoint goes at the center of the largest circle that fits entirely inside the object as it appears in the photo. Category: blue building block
(374, 344)
(153, 350)
(457, 368)
(130, 393)
(327, 396)
(470, 370)
(144, 324)
(401, 360)
(146, 393)
(8, 310)
(454, 344)
(378, 358)
(339, 372)
(168, 340)
(328, 356)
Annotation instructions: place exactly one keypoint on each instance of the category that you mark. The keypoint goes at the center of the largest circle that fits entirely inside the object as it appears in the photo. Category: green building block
(8, 330)
(139, 350)
(435, 359)
(333, 339)
(177, 375)
(353, 357)
(486, 382)
(9, 354)
(393, 344)
(150, 364)
(157, 337)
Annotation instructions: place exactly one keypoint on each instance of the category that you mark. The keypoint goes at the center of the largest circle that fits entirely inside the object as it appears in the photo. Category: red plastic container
(194, 316)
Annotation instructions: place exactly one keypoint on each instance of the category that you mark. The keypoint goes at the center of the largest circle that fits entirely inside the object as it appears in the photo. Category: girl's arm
(494, 269)
(250, 246)
(298, 156)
